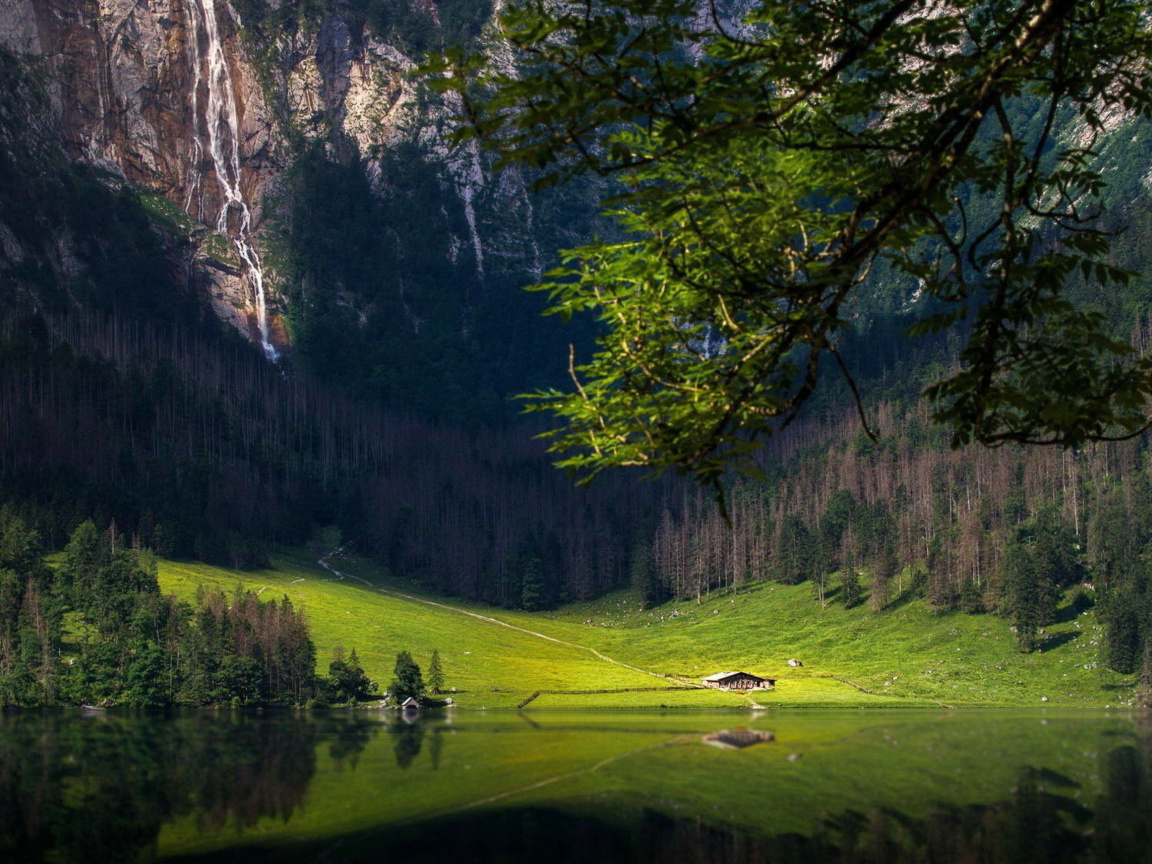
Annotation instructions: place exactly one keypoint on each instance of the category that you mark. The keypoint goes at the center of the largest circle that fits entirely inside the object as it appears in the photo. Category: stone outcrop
(349, 91)
(124, 97)
(122, 79)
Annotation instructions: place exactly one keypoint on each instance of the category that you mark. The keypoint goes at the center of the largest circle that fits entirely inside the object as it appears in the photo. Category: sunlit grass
(489, 665)
(902, 656)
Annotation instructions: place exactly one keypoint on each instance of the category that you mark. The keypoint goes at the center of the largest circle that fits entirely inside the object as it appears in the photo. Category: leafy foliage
(130, 645)
(408, 681)
(30, 616)
(346, 678)
(1039, 562)
(767, 165)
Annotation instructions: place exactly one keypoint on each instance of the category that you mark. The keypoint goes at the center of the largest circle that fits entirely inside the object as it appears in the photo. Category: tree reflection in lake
(257, 769)
(99, 789)
(872, 789)
(436, 748)
(1124, 812)
(350, 737)
(408, 737)
(1035, 826)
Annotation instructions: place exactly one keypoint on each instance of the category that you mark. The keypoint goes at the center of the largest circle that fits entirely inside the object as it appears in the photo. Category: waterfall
(473, 177)
(221, 127)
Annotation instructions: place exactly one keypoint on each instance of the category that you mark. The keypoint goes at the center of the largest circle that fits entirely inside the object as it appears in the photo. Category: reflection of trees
(78, 791)
(350, 739)
(408, 739)
(100, 789)
(83, 791)
(239, 769)
(1041, 823)
(1124, 823)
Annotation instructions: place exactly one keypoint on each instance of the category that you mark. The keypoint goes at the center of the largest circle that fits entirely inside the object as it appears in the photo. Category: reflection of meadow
(1026, 786)
(624, 768)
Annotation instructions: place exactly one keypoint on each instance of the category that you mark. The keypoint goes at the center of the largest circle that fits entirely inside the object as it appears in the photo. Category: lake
(850, 786)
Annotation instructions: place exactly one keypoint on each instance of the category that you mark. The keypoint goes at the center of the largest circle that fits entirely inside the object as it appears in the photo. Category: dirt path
(323, 562)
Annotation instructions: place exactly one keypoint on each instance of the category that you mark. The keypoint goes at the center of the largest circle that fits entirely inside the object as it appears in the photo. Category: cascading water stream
(221, 124)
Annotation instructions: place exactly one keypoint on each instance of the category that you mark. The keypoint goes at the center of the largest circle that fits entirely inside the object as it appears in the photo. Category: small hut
(410, 704)
(738, 681)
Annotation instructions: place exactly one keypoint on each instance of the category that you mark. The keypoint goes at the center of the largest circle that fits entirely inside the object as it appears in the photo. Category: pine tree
(435, 674)
(408, 680)
(850, 589)
(1125, 618)
(1038, 561)
(532, 587)
(644, 577)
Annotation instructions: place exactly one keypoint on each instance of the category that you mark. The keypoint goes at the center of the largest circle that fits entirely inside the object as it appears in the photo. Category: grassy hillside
(643, 658)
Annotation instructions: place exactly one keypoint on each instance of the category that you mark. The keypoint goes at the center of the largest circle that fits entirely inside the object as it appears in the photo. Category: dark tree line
(198, 448)
(96, 630)
(1008, 531)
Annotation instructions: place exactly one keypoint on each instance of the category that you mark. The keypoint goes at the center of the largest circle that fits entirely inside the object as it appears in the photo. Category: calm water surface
(891, 786)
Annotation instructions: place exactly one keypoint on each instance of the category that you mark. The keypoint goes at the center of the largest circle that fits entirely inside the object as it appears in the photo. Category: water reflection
(349, 738)
(1124, 812)
(1036, 825)
(98, 789)
(870, 789)
(737, 739)
(408, 736)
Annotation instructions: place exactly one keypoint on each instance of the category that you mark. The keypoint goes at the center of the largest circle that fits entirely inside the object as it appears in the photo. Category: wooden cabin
(739, 681)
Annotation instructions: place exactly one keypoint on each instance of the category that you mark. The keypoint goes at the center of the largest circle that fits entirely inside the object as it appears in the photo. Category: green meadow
(612, 653)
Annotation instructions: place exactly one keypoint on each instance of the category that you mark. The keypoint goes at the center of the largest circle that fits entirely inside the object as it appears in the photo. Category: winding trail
(323, 562)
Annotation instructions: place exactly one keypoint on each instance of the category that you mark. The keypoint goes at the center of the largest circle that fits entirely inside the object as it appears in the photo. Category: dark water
(856, 786)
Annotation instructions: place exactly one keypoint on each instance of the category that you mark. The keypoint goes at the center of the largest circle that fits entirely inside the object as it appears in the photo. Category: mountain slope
(903, 657)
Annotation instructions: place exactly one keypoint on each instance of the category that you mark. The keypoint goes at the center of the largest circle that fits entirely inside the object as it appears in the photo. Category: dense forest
(130, 644)
(199, 448)
(1008, 531)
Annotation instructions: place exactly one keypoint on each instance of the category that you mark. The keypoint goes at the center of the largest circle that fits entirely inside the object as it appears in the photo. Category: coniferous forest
(134, 644)
(204, 450)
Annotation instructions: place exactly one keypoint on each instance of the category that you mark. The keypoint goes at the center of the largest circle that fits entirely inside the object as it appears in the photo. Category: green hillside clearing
(613, 653)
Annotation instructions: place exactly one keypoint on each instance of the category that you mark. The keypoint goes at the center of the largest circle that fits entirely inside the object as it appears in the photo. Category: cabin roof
(720, 676)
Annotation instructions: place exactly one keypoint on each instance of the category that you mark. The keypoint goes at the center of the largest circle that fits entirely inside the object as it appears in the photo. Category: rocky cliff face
(183, 99)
